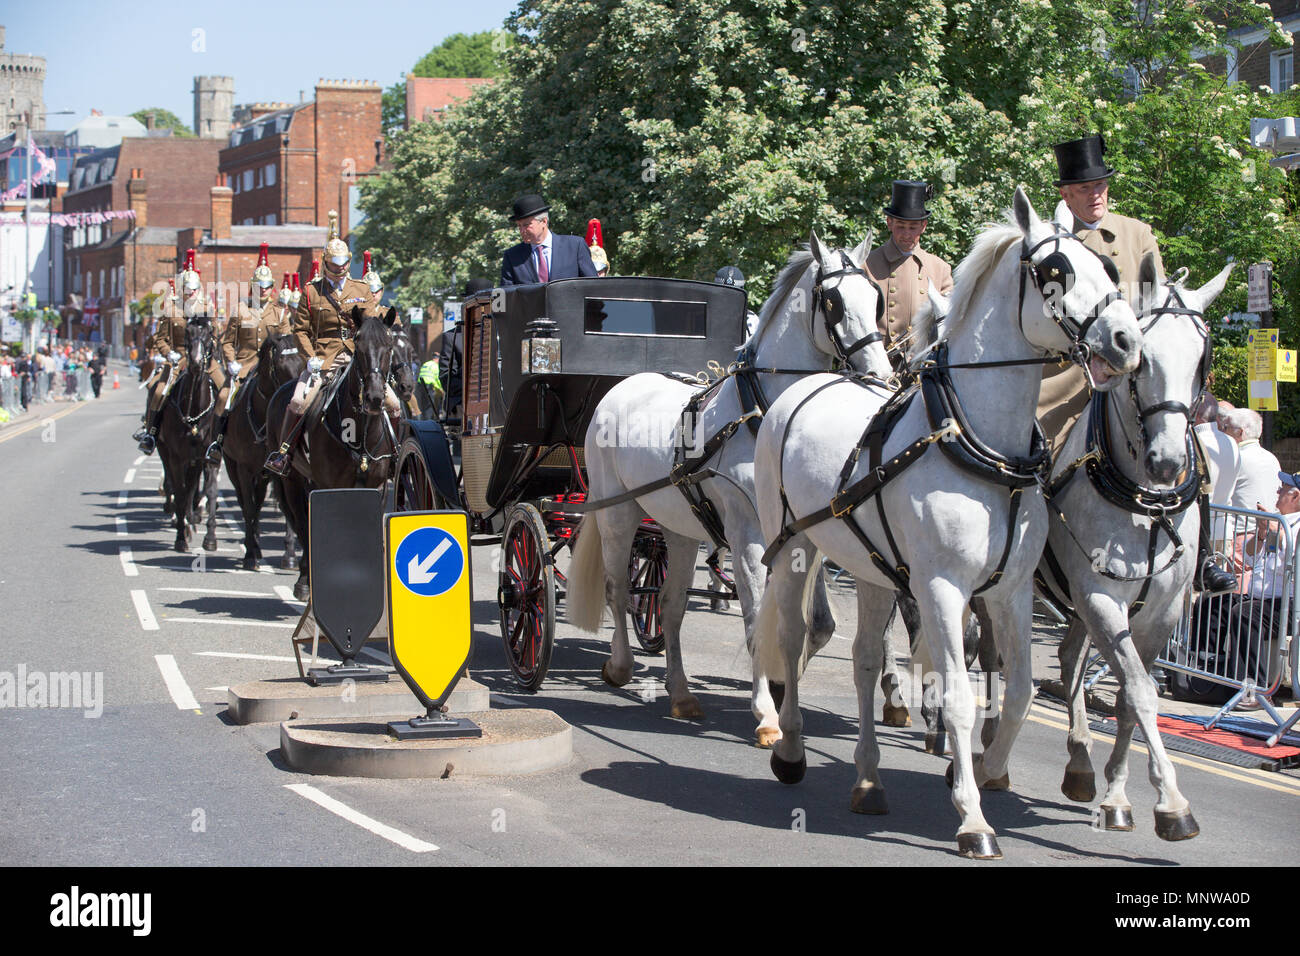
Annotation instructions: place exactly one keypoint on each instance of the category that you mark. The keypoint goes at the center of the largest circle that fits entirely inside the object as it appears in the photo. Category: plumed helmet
(285, 291)
(315, 270)
(262, 275)
(596, 243)
(295, 295)
(730, 275)
(191, 281)
(337, 254)
(370, 276)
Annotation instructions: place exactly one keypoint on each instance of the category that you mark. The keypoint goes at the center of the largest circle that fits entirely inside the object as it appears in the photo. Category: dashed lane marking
(221, 591)
(128, 565)
(245, 657)
(393, 835)
(176, 686)
(129, 477)
(143, 611)
(233, 622)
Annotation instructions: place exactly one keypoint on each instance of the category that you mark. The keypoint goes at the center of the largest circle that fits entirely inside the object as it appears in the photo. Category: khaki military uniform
(904, 279)
(324, 331)
(170, 337)
(1063, 395)
(245, 333)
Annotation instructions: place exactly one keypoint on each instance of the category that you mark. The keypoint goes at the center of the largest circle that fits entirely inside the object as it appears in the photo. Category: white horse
(823, 308)
(1124, 540)
(968, 517)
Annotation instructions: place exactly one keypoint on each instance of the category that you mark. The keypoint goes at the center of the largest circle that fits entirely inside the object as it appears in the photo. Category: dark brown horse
(278, 362)
(185, 429)
(351, 444)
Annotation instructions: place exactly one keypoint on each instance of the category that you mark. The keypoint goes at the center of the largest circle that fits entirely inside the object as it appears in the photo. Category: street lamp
(27, 212)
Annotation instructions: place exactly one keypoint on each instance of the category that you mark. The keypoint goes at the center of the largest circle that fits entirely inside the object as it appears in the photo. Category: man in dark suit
(543, 255)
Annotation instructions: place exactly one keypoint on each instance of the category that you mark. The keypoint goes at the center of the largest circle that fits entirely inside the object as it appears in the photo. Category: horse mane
(968, 281)
(782, 287)
(373, 333)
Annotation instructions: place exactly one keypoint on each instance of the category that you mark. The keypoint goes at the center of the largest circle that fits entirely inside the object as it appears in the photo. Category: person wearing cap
(324, 332)
(901, 268)
(731, 275)
(247, 329)
(542, 255)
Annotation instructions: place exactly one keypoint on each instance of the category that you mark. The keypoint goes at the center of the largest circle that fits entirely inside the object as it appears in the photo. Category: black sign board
(347, 564)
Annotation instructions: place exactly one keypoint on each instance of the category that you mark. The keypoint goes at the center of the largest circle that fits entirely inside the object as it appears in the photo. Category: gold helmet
(337, 254)
(295, 295)
(263, 277)
(285, 291)
(191, 280)
(370, 276)
(596, 244)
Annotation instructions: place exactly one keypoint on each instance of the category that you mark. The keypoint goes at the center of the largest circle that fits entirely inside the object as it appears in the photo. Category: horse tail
(585, 595)
(767, 629)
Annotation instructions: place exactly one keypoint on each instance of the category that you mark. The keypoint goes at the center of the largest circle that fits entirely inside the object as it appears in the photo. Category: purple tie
(543, 273)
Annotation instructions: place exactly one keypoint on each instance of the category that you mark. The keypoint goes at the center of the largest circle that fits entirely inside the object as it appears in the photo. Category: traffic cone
(116, 383)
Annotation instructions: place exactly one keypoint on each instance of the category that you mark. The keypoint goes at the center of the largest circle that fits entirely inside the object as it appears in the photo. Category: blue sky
(119, 57)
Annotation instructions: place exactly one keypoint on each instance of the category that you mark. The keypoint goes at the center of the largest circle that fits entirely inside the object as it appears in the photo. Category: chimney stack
(223, 198)
(136, 200)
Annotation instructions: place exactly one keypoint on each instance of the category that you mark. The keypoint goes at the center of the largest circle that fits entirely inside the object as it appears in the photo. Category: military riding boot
(1210, 578)
(277, 463)
(214, 450)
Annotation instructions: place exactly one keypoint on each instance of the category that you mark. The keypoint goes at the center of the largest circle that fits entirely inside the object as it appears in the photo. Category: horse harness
(173, 397)
(1098, 461)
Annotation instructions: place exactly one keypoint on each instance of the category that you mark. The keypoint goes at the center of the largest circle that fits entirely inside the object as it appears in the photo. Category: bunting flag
(73, 219)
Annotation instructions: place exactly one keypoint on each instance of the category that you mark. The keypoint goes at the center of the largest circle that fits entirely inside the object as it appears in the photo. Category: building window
(1283, 72)
(234, 185)
(270, 174)
(270, 220)
(248, 179)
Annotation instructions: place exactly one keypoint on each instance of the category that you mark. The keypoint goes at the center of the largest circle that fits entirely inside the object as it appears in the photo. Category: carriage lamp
(540, 347)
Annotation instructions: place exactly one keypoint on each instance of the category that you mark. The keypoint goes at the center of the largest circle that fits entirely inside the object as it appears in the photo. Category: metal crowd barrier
(9, 399)
(1241, 640)
(83, 390)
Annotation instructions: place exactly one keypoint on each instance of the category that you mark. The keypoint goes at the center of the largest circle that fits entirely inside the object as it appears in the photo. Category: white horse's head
(1171, 378)
(847, 307)
(1069, 300)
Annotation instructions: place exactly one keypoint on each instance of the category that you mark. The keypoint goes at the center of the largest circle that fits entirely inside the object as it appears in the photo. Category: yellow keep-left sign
(429, 600)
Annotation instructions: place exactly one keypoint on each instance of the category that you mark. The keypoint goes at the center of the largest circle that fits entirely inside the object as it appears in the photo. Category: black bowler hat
(909, 200)
(529, 204)
(1080, 160)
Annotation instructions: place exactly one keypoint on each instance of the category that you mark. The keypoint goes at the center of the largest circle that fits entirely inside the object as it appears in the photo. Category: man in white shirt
(1257, 481)
(1222, 461)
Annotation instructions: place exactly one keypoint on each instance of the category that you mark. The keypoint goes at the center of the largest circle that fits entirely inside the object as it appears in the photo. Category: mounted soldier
(245, 333)
(901, 268)
(324, 329)
(1121, 242)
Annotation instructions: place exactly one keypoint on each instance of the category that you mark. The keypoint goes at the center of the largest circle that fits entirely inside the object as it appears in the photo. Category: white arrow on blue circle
(419, 572)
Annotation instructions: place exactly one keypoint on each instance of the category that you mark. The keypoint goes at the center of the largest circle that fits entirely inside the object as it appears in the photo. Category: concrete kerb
(292, 698)
(517, 741)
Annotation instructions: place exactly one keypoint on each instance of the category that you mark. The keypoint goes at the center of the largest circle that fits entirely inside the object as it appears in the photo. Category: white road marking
(404, 840)
(130, 476)
(128, 566)
(378, 656)
(121, 527)
(139, 461)
(216, 688)
(244, 657)
(176, 686)
(121, 497)
(285, 594)
(233, 621)
(221, 591)
(143, 611)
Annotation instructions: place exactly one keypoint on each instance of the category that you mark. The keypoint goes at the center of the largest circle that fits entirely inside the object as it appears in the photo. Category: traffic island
(516, 741)
(290, 698)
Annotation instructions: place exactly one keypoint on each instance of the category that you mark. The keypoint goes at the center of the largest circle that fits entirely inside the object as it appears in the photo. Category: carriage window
(638, 317)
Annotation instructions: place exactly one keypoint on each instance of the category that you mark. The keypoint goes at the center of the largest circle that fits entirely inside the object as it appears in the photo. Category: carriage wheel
(526, 595)
(413, 488)
(646, 571)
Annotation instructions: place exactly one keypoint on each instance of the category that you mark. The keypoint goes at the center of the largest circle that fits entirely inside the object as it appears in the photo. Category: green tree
(477, 54)
(163, 119)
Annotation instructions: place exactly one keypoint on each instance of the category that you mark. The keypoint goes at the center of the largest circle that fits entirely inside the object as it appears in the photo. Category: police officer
(901, 268)
(323, 328)
(1084, 210)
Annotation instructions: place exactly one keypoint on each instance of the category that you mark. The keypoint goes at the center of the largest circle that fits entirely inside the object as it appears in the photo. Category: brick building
(429, 97)
(1254, 60)
(295, 164)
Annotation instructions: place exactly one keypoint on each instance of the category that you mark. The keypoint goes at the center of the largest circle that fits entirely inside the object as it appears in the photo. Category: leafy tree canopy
(163, 119)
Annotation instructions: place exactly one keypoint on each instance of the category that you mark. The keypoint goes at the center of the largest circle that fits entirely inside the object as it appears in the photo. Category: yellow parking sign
(429, 600)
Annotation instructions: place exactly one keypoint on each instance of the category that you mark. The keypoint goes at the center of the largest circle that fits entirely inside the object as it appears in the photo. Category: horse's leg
(893, 708)
(874, 611)
(781, 613)
(943, 608)
(1080, 782)
(682, 554)
(295, 504)
(1174, 820)
(258, 482)
(980, 642)
(211, 479)
(618, 526)
(749, 574)
(289, 560)
(1011, 620)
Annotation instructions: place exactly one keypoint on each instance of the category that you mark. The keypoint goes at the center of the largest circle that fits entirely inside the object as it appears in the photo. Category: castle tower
(22, 88)
(214, 102)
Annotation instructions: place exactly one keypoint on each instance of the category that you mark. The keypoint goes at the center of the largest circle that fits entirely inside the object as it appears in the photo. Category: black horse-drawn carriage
(537, 360)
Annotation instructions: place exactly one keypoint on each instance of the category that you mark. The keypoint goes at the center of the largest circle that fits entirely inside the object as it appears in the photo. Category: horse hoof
(997, 783)
(209, 544)
(609, 678)
(978, 846)
(787, 772)
(688, 709)
(250, 564)
(767, 736)
(302, 591)
(288, 564)
(1079, 786)
(893, 716)
(1117, 818)
(1176, 825)
(180, 548)
(936, 744)
(777, 690)
(947, 776)
(869, 798)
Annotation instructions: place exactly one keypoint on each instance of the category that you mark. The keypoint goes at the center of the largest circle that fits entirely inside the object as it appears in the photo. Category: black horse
(402, 375)
(186, 426)
(350, 443)
(278, 362)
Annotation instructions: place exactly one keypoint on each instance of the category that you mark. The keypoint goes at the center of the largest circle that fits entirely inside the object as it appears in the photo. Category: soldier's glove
(314, 365)
(173, 357)
(233, 367)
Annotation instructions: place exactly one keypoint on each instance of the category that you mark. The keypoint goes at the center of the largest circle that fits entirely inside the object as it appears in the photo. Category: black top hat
(1080, 160)
(477, 285)
(730, 275)
(909, 200)
(529, 204)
